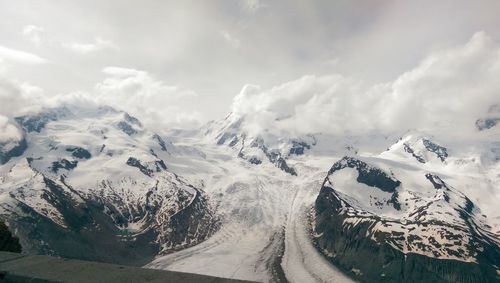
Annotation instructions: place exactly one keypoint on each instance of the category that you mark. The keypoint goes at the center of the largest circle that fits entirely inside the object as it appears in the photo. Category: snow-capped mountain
(94, 184)
(404, 215)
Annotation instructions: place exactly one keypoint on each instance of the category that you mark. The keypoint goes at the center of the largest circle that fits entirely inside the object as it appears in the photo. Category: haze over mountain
(255, 140)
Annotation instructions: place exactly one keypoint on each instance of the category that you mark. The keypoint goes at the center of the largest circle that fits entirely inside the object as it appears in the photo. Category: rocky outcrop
(8, 242)
(280, 162)
(487, 123)
(147, 168)
(298, 147)
(126, 128)
(440, 151)
(274, 156)
(410, 150)
(161, 142)
(63, 164)
(12, 149)
(367, 175)
(79, 152)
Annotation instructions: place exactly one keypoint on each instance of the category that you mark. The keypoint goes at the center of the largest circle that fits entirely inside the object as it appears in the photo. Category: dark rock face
(79, 152)
(298, 148)
(234, 141)
(161, 142)
(280, 162)
(159, 165)
(408, 149)
(8, 242)
(255, 160)
(368, 175)
(435, 180)
(394, 201)
(126, 128)
(132, 119)
(17, 150)
(440, 151)
(225, 137)
(488, 123)
(136, 163)
(63, 164)
(191, 224)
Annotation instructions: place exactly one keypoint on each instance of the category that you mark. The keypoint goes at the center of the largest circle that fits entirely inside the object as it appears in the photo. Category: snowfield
(265, 231)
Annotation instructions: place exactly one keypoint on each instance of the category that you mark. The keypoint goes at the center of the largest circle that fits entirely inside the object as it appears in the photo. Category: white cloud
(37, 35)
(139, 93)
(279, 40)
(448, 91)
(8, 131)
(20, 56)
(252, 6)
(131, 83)
(231, 40)
(34, 34)
(157, 105)
(123, 72)
(99, 44)
(17, 99)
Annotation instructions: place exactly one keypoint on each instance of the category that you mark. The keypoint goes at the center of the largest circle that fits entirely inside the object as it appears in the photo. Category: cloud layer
(445, 94)
(85, 48)
(141, 94)
(448, 91)
(157, 105)
(16, 98)
(19, 56)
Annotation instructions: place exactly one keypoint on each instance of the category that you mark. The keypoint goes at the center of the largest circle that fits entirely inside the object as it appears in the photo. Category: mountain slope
(94, 180)
(397, 211)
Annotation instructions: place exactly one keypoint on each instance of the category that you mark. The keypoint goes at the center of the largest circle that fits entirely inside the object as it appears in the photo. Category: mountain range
(226, 200)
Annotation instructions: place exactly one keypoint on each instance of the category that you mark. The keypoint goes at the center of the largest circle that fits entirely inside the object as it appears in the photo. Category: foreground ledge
(35, 268)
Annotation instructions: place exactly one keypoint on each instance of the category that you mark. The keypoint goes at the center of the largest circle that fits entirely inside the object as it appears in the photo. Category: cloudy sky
(186, 62)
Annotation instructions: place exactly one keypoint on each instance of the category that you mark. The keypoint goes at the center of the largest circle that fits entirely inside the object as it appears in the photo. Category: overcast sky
(194, 57)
